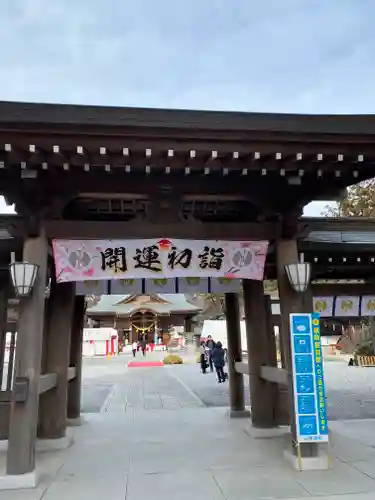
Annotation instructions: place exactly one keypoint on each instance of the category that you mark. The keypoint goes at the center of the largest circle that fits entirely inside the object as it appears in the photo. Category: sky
(295, 56)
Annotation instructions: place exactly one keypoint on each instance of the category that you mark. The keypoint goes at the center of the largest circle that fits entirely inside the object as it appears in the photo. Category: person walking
(134, 348)
(218, 359)
(210, 347)
(203, 357)
(144, 345)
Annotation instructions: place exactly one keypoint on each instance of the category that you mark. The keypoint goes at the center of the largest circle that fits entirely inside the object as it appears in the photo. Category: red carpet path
(144, 364)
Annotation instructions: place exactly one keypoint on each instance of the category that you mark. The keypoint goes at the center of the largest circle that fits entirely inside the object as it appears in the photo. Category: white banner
(323, 306)
(368, 305)
(347, 306)
(86, 260)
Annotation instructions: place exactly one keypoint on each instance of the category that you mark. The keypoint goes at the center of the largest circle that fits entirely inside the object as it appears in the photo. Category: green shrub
(365, 349)
(173, 359)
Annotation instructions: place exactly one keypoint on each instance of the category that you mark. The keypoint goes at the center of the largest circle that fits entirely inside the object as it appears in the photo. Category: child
(218, 359)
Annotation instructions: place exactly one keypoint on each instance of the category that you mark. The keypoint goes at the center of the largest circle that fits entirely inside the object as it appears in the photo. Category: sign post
(308, 380)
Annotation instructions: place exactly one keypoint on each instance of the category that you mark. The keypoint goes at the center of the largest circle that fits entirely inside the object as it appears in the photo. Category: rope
(143, 329)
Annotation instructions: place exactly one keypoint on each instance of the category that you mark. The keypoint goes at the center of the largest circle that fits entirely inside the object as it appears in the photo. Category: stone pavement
(350, 390)
(154, 439)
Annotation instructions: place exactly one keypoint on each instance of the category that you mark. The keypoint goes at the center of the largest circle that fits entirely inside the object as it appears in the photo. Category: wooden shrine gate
(83, 172)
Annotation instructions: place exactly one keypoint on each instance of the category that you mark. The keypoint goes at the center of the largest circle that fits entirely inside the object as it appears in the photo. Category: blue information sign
(308, 377)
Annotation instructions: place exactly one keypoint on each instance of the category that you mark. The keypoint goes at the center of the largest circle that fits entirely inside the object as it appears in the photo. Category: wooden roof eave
(22, 113)
(339, 224)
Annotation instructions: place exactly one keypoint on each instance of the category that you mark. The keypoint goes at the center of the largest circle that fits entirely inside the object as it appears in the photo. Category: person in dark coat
(144, 345)
(218, 359)
(210, 343)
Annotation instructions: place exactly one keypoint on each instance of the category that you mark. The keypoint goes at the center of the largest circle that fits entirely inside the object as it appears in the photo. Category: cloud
(294, 55)
(303, 56)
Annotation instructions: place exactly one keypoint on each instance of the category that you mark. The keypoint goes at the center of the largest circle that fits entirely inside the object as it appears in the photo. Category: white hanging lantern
(23, 275)
(299, 275)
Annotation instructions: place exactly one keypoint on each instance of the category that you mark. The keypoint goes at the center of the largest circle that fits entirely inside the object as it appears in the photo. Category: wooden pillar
(290, 302)
(4, 408)
(236, 383)
(271, 339)
(188, 324)
(74, 387)
(43, 364)
(12, 351)
(260, 352)
(53, 403)
(24, 415)
(4, 295)
(307, 301)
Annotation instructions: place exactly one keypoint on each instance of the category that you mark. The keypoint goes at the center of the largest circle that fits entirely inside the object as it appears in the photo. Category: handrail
(47, 381)
(274, 374)
(241, 367)
(269, 373)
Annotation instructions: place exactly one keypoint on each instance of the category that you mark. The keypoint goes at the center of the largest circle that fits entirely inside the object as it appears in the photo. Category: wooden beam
(339, 224)
(274, 374)
(322, 290)
(142, 229)
(5, 396)
(72, 371)
(242, 367)
(99, 181)
(47, 382)
(320, 248)
(16, 225)
(157, 139)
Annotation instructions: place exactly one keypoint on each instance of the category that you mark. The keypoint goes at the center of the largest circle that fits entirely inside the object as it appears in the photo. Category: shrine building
(142, 316)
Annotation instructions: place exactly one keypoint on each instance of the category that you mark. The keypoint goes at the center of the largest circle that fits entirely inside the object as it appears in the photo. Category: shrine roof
(352, 237)
(42, 113)
(114, 304)
(219, 166)
(340, 230)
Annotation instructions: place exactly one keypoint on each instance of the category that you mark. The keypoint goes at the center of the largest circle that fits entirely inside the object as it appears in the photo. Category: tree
(358, 202)
(213, 304)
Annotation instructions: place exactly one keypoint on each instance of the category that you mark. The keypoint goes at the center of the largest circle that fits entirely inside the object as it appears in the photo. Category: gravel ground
(350, 390)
